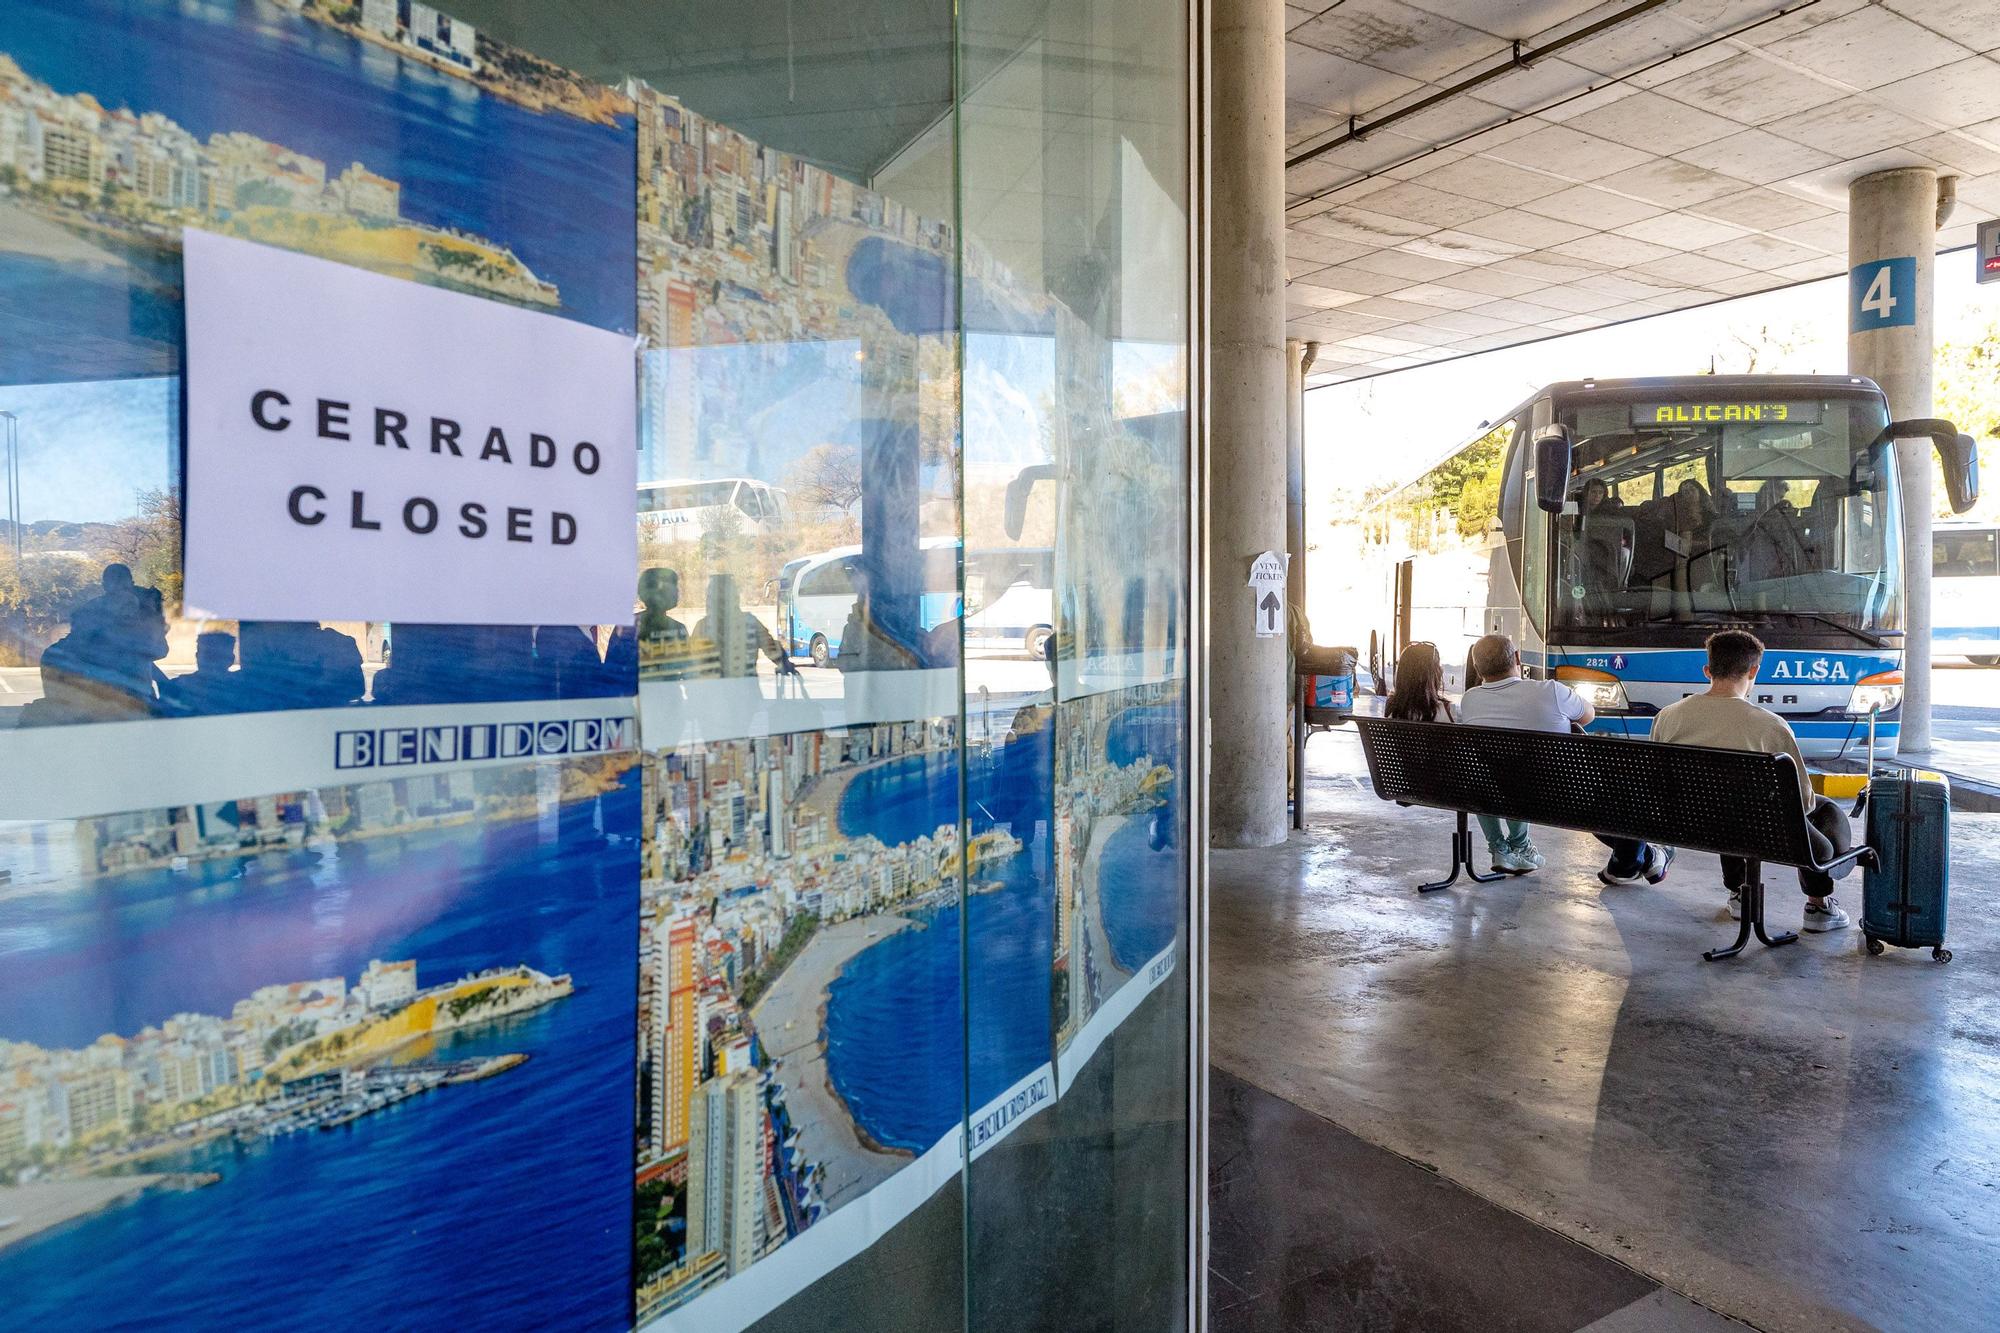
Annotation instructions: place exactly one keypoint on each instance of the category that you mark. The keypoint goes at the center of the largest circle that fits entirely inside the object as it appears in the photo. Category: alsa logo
(1814, 670)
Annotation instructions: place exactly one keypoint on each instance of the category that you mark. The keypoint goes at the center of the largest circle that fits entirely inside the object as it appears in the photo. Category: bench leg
(1461, 860)
(1752, 895)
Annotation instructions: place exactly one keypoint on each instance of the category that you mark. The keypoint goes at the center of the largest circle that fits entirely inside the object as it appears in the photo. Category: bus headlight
(1881, 693)
(1604, 692)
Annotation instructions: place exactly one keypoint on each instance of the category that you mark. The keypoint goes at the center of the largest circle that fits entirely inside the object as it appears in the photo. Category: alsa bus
(686, 511)
(1611, 526)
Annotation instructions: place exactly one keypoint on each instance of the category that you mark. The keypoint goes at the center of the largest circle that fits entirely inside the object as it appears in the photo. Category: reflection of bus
(1624, 521)
(689, 510)
(1965, 591)
(1010, 599)
(816, 594)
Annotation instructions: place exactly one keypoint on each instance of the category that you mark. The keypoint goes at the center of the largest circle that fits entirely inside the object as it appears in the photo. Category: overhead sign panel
(360, 447)
(1986, 263)
(1703, 414)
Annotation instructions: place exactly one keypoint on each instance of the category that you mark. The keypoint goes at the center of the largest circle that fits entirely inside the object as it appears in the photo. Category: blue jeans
(1509, 835)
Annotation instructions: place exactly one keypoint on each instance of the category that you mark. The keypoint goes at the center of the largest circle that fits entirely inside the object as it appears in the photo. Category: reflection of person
(656, 645)
(737, 635)
(102, 670)
(212, 686)
(297, 664)
(567, 665)
(864, 644)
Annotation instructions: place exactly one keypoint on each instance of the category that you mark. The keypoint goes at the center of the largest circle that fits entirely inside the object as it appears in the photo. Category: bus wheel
(820, 655)
(1038, 642)
(1985, 659)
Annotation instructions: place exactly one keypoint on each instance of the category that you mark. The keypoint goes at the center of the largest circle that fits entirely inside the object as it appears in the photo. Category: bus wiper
(1872, 640)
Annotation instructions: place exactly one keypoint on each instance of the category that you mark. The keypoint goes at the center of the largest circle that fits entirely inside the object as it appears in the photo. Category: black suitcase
(1903, 894)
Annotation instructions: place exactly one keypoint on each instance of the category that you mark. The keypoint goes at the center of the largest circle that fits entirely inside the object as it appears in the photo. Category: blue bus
(1611, 526)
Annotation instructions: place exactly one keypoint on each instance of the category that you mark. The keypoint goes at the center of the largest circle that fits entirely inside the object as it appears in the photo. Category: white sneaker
(1511, 862)
(1533, 856)
(1830, 917)
(1735, 905)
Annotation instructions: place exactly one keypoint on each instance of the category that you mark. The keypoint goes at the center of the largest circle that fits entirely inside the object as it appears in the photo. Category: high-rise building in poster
(676, 1044)
(726, 1157)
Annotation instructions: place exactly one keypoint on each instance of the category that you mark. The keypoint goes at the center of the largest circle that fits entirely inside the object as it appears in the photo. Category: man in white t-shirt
(1724, 718)
(1506, 698)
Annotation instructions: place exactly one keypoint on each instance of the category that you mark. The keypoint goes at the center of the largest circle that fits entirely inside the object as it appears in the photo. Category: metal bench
(1731, 802)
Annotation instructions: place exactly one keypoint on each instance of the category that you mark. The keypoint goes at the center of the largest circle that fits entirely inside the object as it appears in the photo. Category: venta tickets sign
(360, 447)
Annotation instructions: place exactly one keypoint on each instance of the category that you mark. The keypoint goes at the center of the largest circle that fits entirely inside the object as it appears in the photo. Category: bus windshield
(1746, 513)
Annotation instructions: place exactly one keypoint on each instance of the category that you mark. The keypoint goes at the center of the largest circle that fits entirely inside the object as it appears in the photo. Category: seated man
(1507, 699)
(1724, 718)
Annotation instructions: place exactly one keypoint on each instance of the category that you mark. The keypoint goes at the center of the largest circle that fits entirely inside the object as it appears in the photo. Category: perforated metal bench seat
(1731, 802)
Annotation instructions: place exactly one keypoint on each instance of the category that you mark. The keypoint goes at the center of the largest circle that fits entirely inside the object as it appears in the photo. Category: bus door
(1404, 610)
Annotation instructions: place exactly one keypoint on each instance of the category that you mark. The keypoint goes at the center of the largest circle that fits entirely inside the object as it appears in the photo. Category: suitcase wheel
(1875, 946)
(1942, 954)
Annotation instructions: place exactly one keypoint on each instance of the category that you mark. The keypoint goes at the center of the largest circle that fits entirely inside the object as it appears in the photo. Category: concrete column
(1893, 215)
(1298, 359)
(1247, 685)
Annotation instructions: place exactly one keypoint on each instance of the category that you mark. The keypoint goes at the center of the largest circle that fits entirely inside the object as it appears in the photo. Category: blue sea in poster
(498, 1204)
(896, 1037)
(557, 190)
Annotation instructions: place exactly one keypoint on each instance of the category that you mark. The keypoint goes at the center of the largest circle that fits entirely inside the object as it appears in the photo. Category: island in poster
(354, 1055)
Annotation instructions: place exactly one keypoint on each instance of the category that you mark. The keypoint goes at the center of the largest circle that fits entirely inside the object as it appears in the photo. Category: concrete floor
(1804, 1138)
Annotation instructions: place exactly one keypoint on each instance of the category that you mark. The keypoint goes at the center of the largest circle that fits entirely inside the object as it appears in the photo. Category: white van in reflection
(1009, 598)
(685, 511)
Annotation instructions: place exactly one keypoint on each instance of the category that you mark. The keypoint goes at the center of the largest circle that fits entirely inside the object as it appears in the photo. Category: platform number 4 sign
(1882, 294)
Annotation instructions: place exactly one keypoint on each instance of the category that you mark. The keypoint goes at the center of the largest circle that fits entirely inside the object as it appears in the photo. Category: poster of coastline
(1120, 855)
(388, 136)
(354, 1056)
(799, 1013)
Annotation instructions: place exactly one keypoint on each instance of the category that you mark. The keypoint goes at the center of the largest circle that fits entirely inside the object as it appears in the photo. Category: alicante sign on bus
(361, 447)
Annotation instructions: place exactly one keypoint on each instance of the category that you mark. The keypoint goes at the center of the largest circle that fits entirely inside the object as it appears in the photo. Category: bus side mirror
(1018, 490)
(1552, 463)
(1957, 451)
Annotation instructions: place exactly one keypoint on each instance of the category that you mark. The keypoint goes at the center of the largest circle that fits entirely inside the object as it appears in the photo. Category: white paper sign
(360, 447)
(1267, 593)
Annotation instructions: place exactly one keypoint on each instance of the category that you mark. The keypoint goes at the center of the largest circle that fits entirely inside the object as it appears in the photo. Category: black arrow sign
(1269, 606)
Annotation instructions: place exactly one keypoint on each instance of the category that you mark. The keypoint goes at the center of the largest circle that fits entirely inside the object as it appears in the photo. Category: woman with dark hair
(1419, 692)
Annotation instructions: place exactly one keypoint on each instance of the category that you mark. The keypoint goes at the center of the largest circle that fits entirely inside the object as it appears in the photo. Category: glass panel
(835, 908)
(1074, 152)
(801, 1047)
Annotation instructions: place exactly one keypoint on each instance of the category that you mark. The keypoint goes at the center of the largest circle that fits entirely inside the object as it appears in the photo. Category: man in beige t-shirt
(1724, 718)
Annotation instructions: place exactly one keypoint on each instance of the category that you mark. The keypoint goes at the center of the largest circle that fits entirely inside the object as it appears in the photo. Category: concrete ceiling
(1698, 150)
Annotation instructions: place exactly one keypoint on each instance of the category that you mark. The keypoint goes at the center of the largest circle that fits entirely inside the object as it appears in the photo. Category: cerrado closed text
(337, 421)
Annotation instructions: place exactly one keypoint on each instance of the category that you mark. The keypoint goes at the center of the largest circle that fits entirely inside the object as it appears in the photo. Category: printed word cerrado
(336, 420)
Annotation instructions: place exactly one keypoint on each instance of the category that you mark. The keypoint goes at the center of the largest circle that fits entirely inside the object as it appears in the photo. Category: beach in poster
(803, 1015)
